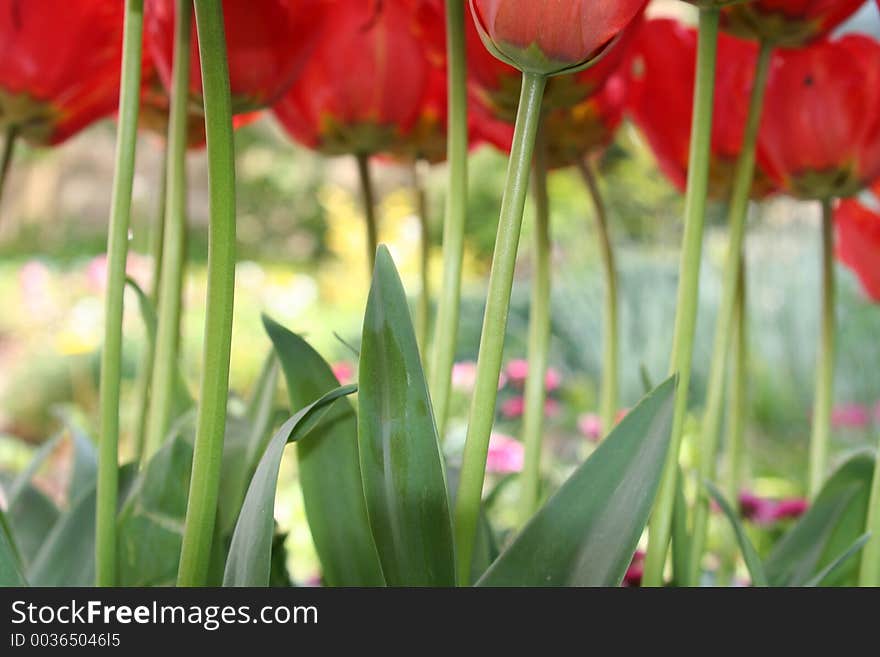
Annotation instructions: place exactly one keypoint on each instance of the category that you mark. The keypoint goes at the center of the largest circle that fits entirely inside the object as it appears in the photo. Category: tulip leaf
(832, 523)
(10, 560)
(329, 468)
(588, 531)
(837, 563)
(249, 560)
(31, 518)
(750, 554)
(403, 470)
(67, 556)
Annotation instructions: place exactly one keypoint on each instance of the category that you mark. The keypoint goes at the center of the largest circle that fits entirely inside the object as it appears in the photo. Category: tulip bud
(787, 23)
(549, 37)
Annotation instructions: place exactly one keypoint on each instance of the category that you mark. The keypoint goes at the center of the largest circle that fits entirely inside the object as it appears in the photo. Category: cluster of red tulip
(796, 112)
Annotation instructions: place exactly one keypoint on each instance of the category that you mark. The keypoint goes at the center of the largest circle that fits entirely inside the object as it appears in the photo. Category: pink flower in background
(633, 576)
(136, 266)
(314, 580)
(852, 416)
(552, 408)
(513, 408)
(517, 371)
(590, 425)
(464, 375)
(343, 371)
(505, 455)
(552, 379)
(764, 511)
(877, 413)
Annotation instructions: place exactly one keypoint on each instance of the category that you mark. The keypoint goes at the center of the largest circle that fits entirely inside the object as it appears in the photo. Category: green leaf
(587, 533)
(10, 562)
(250, 553)
(151, 521)
(31, 517)
(402, 467)
(329, 468)
(837, 563)
(833, 523)
(67, 557)
(750, 554)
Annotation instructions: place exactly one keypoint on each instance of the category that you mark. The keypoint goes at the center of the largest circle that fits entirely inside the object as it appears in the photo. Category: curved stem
(482, 411)
(739, 204)
(368, 197)
(201, 509)
(6, 158)
(117, 253)
(423, 315)
(145, 376)
(738, 398)
(821, 435)
(688, 288)
(539, 338)
(171, 281)
(448, 306)
(608, 394)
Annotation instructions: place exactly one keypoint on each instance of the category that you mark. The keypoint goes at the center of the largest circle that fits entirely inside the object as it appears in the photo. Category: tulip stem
(688, 289)
(539, 337)
(737, 213)
(165, 371)
(448, 307)
(6, 158)
(211, 423)
(368, 198)
(156, 249)
(482, 411)
(608, 393)
(423, 315)
(738, 395)
(117, 254)
(825, 365)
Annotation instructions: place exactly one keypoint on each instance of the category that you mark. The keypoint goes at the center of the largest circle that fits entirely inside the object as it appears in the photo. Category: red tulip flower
(547, 37)
(662, 74)
(788, 23)
(59, 65)
(363, 87)
(858, 242)
(820, 135)
(496, 85)
(267, 42)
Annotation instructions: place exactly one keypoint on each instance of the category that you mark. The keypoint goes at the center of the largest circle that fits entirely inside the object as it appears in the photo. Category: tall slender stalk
(423, 315)
(869, 575)
(738, 395)
(368, 198)
(688, 288)
(117, 253)
(610, 334)
(201, 509)
(482, 411)
(163, 388)
(738, 210)
(539, 338)
(145, 375)
(824, 390)
(446, 326)
(6, 157)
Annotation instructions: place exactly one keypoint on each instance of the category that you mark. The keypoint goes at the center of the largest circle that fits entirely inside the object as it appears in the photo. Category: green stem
(737, 213)
(448, 307)
(688, 288)
(6, 158)
(869, 575)
(171, 281)
(117, 253)
(482, 411)
(539, 338)
(145, 376)
(819, 440)
(423, 316)
(608, 394)
(738, 402)
(205, 482)
(368, 197)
